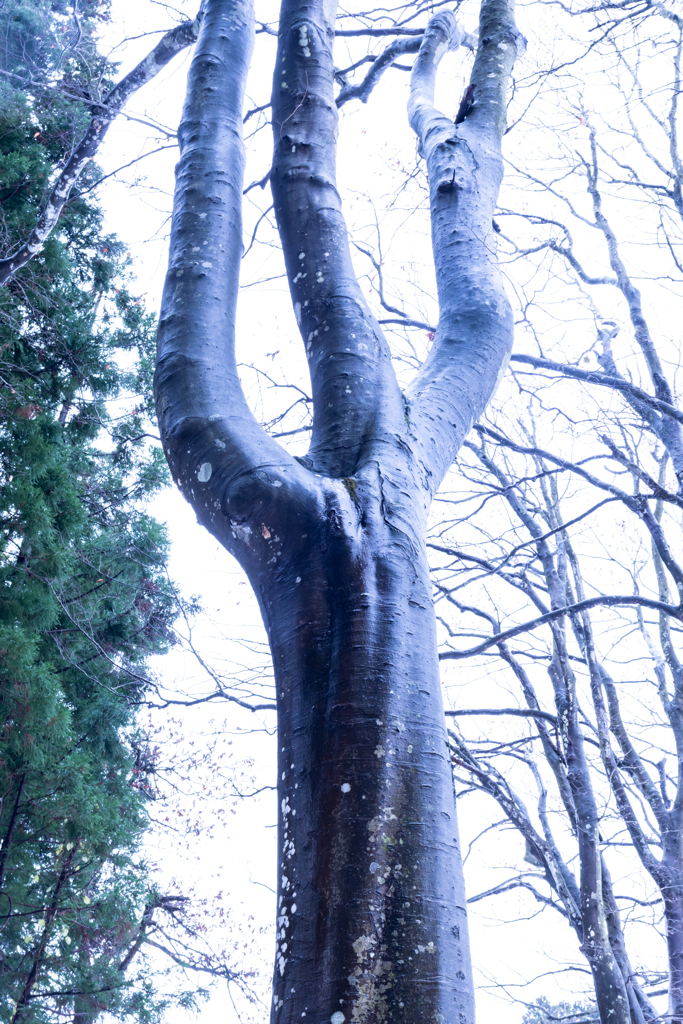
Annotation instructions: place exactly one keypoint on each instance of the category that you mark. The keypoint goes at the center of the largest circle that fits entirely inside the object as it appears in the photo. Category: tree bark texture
(371, 919)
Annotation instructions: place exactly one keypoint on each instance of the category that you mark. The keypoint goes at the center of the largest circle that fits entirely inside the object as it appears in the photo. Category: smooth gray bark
(371, 922)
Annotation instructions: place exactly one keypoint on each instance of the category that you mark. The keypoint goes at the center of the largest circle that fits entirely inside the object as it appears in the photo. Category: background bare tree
(570, 587)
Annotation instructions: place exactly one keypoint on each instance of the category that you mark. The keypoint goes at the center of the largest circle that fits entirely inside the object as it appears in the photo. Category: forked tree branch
(355, 394)
(464, 166)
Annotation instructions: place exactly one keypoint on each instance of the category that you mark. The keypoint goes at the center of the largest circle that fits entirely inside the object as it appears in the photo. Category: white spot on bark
(345, 787)
(204, 473)
(243, 531)
(297, 311)
(303, 40)
(379, 750)
(337, 1017)
(374, 867)
(302, 255)
(207, 264)
(363, 944)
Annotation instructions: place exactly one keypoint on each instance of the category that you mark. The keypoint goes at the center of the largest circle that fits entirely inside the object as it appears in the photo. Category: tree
(577, 570)
(372, 921)
(85, 598)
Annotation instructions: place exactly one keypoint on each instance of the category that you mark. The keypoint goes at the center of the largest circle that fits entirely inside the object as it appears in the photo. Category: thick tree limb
(179, 38)
(464, 166)
(213, 442)
(355, 395)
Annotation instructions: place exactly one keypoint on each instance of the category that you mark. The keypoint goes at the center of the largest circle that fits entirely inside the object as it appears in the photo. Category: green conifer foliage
(84, 595)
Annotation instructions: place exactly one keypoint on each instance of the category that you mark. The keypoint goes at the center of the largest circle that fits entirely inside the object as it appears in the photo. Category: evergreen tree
(541, 1011)
(84, 595)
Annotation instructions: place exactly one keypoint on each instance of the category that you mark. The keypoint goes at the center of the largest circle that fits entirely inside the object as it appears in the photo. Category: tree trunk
(673, 910)
(371, 901)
